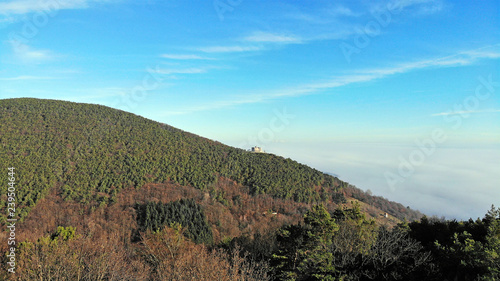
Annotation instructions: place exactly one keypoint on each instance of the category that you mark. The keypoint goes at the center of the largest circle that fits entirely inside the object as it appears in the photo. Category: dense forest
(90, 153)
(103, 194)
(323, 245)
(185, 212)
(345, 246)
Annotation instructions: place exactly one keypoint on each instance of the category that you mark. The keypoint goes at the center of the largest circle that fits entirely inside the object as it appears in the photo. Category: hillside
(103, 194)
(89, 153)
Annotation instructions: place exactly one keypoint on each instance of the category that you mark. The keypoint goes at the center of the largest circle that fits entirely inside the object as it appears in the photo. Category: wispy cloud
(465, 112)
(266, 37)
(343, 21)
(184, 57)
(27, 54)
(217, 105)
(458, 59)
(325, 16)
(180, 70)
(257, 41)
(26, 77)
(416, 7)
(230, 49)
(361, 76)
(20, 7)
(6, 20)
(490, 52)
(431, 8)
(343, 11)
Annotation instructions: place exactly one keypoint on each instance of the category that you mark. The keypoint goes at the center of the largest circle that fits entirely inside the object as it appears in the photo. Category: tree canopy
(91, 152)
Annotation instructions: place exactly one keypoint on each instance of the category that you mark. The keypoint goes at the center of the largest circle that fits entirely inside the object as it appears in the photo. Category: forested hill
(108, 195)
(89, 153)
(92, 152)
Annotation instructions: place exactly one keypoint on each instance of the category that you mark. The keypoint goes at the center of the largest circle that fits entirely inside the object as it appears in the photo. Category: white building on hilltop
(256, 149)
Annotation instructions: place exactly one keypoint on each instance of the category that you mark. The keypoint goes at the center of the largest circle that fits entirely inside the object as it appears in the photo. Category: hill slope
(114, 176)
(104, 194)
(89, 153)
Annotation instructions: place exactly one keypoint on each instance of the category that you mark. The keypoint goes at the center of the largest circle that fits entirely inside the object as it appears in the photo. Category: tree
(303, 250)
(465, 250)
(174, 258)
(394, 256)
(346, 246)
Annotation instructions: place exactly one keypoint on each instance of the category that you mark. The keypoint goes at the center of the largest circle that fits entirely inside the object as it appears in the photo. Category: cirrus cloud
(265, 37)
(20, 7)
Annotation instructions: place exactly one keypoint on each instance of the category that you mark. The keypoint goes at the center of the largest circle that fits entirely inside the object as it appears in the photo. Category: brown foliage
(104, 249)
(97, 257)
(172, 257)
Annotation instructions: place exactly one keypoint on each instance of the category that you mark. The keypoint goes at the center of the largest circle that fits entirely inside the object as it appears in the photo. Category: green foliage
(91, 152)
(346, 246)
(465, 250)
(64, 233)
(303, 251)
(184, 213)
(353, 224)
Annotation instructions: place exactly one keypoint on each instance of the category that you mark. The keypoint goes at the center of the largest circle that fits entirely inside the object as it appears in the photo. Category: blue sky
(399, 97)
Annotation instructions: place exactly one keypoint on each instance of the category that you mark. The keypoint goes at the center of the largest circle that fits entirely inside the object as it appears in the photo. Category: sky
(401, 98)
